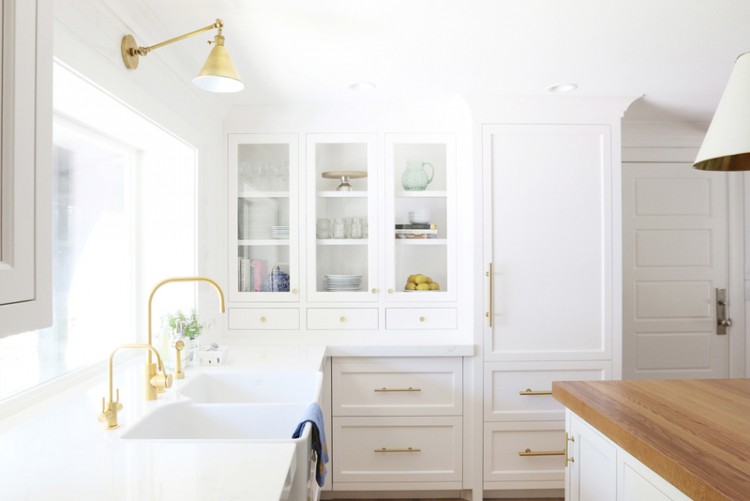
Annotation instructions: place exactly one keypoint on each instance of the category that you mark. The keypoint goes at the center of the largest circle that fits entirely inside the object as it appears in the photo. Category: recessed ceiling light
(362, 86)
(561, 88)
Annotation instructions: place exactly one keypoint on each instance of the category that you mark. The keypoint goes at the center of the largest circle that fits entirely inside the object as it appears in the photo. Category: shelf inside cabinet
(263, 194)
(342, 194)
(268, 241)
(421, 241)
(422, 194)
(342, 241)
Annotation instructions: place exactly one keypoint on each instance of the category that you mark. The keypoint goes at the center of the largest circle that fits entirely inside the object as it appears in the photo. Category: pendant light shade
(218, 73)
(726, 146)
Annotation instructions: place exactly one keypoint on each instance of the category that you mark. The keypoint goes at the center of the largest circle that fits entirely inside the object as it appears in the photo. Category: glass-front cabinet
(263, 209)
(342, 223)
(420, 227)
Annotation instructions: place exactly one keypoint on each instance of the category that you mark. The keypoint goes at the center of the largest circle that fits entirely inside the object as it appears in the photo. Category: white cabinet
(263, 209)
(420, 216)
(397, 423)
(600, 470)
(551, 287)
(342, 217)
(25, 165)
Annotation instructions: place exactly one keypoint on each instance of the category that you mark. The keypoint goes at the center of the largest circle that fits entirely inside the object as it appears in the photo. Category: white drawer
(506, 468)
(264, 318)
(397, 386)
(404, 449)
(421, 318)
(519, 391)
(342, 318)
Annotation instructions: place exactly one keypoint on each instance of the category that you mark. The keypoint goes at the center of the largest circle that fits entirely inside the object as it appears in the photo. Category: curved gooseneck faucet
(150, 367)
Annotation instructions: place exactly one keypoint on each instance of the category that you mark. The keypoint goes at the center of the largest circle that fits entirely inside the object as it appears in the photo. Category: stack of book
(416, 230)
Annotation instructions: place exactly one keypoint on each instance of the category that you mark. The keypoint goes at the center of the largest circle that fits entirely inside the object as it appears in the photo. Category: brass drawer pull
(384, 389)
(530, 453)
(408, 449)
(529, 391)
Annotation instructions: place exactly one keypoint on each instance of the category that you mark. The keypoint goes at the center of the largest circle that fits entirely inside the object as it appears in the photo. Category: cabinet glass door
(263, 217)
(342, 217)
(420, 225)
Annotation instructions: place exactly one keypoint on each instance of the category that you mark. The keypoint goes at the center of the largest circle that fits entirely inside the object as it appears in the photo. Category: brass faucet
(159, 380)
(150, 369)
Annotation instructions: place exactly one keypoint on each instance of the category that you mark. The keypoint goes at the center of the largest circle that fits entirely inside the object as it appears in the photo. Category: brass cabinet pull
(342, 318)
(530, 453)
(530, 392)
(489, 313)
(568, 459)
(384, 389)
(262, 319)
(408, 449)
(422, 319)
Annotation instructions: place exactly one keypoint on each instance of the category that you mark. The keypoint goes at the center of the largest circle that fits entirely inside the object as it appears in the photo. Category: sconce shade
(726, 146)
(218, 73)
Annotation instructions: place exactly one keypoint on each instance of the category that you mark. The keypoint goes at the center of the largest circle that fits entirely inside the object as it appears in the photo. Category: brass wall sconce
(218, 73)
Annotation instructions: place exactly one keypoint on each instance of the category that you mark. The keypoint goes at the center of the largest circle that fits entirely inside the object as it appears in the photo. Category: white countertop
(58, 450)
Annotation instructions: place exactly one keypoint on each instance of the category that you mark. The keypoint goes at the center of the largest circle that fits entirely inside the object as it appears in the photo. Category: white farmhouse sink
(188, 421)
(248, 387)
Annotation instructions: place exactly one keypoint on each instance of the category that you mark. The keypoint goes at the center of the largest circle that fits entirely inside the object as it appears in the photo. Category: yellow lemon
(423, 287)
(434, 286)
(420, 279)
(410, 286)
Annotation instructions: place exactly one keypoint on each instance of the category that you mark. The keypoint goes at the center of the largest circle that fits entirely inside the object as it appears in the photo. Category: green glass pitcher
(415, 177)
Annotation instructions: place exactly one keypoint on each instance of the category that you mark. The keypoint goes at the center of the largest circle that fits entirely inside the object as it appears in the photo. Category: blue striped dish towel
(314, 414)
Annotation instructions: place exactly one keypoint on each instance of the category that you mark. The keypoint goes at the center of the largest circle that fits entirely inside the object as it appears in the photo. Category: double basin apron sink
(242, 406)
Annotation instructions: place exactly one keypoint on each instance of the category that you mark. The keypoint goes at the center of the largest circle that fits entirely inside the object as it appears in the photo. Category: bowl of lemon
(420, 282)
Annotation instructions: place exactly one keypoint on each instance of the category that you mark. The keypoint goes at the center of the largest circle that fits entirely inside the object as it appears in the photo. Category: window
(116, 232)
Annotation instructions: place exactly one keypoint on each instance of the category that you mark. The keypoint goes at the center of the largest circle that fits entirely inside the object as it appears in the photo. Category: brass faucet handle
(109, 412)
(161, 381)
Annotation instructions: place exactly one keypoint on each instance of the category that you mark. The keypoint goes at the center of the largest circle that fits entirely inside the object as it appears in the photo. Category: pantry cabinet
(25, 165)
(551, 287)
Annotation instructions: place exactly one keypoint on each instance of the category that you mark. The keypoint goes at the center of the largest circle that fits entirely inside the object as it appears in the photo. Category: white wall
(87, 37)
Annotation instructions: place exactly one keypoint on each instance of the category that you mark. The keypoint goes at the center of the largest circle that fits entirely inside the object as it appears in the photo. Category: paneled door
(675, 257)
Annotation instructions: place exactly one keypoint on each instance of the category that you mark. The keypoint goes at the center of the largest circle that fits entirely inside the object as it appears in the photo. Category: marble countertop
(58, 450)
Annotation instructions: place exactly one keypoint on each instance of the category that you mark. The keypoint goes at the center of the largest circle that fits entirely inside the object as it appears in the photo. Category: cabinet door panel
(25, 166)
(397, 449)
(550, 202)
(506, 468)
(517, 391)
(397, 387)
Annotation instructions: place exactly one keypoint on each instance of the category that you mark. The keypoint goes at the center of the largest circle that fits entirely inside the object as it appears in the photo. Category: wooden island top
(693, 433)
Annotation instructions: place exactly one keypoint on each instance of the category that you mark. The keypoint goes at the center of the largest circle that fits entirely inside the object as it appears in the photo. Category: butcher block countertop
(694, 433)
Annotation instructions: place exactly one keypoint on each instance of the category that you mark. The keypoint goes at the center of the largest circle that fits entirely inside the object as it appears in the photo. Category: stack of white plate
(255, 219)
(343, 282)
(280, 232)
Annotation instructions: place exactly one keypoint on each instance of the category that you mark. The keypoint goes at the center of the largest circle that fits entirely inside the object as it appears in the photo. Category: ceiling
(677, 54)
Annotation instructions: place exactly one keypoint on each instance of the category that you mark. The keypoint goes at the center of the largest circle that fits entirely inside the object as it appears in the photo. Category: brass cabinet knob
(342, 318)
(390, 291)
(294, 291)
(422, 319)
(374, 291)
(262, 319)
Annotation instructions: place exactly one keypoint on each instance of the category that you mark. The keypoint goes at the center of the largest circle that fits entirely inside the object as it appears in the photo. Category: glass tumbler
(339, 228)
(324, 228)
(356, 229)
